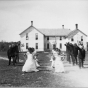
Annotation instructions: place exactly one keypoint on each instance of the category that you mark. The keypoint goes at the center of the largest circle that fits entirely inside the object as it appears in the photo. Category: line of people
(76, 53)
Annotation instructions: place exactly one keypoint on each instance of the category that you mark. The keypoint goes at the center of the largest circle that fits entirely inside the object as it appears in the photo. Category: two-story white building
(46, 39)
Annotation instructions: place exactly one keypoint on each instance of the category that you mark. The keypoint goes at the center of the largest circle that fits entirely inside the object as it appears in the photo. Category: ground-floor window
(47, 45)
(72, 39)
(36, 45)
(26, 45)
(60, 45)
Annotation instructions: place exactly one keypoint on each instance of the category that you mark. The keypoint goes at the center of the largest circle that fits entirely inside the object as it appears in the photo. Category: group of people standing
(75, 53)
(31, 63)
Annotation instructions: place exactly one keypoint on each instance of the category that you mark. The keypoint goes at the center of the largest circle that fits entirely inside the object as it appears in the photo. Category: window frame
(48, 46)
(48, 38)
(72, 39)
(36, 36)
(26, 45)
(60, 37)
(36, 45)
(27, 37)
(81, 38)
(60, 45)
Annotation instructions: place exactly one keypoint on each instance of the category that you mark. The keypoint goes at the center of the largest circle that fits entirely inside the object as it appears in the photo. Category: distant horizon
(16, 16)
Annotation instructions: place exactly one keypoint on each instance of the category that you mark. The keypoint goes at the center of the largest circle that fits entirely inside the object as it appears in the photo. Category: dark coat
(81, 54)
(76, 50)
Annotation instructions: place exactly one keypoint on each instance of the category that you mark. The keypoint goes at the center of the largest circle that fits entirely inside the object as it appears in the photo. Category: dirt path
(77, 75)
(73, 76)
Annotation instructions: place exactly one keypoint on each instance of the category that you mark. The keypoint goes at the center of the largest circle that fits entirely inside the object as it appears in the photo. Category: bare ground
(46, 77)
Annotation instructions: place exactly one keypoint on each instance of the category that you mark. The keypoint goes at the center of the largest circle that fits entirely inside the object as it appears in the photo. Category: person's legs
(73, 59)
(9, 60)
(80, 63)
(14, 60)
(68, 58)
(76, 60)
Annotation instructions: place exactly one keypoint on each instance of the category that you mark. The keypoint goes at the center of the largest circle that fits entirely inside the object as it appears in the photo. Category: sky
(16, 16)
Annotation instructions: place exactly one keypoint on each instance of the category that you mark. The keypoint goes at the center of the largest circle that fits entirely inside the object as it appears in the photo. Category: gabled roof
(49, 32)
(28, 29)
(55, 32)
(74, 32)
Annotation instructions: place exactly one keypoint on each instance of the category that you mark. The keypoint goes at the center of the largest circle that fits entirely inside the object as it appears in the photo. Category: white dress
(52, 62)
(35, 58)
(30, 64)
(59, 67)
(36, 61)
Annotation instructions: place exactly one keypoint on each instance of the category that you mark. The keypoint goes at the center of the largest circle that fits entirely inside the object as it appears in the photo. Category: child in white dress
(59, 67)
(30, 64)
(52, 60)
(35, 55)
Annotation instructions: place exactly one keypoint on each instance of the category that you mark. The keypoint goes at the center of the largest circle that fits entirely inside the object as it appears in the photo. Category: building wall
(77, 38)
(42, 41)
(32, 41)
(55, 40)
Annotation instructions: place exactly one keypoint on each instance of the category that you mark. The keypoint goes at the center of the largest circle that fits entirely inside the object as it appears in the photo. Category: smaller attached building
(77, 36)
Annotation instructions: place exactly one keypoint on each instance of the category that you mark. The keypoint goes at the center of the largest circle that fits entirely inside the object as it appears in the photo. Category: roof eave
(82, 32)
(55, 35)
(28, 28)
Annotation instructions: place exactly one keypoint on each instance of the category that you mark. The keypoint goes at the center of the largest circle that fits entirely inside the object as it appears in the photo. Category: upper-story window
(60, 37)
(47, 38)
(72, 39)
(81, 38)
(26, 36)
(36, 36)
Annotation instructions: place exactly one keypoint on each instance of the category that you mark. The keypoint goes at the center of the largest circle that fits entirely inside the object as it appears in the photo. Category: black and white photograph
(44, 43)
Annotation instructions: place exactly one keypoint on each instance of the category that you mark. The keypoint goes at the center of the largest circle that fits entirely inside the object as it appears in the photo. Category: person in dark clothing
(68, 52)
(81, 56)
(12, 53)
(75, 52)
(72, 53)
(8, 54)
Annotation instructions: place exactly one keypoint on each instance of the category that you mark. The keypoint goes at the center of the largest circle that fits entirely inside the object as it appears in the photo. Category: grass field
(13, 76)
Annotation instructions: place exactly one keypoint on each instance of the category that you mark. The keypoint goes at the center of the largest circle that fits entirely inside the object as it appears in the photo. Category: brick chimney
(31, 23)
(63, 26)
(76, 25)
